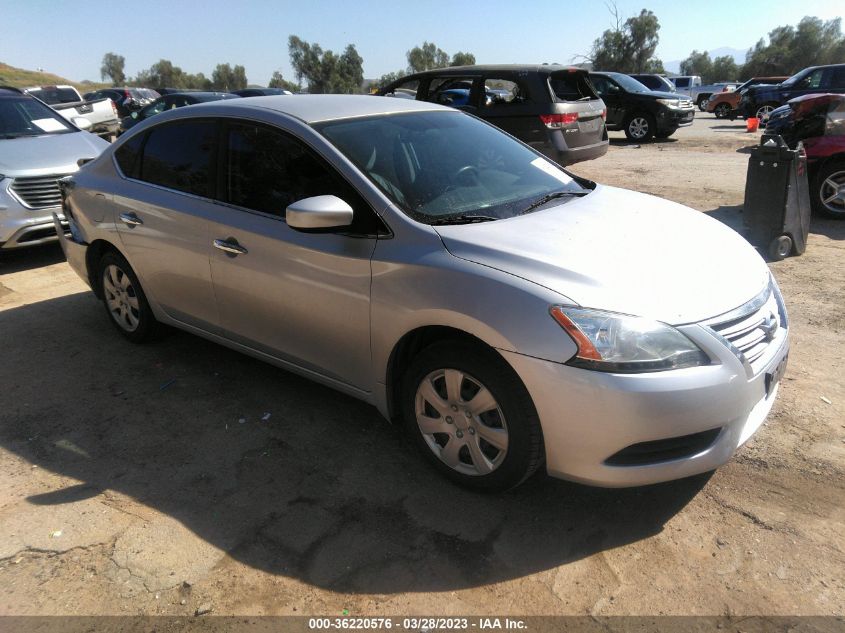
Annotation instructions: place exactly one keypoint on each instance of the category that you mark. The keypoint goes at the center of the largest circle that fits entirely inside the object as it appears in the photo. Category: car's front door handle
(130, 219)
(231, 246)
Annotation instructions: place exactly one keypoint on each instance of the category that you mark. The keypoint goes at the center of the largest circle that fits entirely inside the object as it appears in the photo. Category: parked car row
(100, 113)
(759, 101)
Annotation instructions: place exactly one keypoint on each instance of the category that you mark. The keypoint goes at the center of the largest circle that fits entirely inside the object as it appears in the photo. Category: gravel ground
(129, 483)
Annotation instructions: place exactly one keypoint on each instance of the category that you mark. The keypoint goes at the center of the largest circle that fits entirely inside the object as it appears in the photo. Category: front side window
(450, 91)
(444, 166)
(180, 155)
(267, 170)
(813, 80)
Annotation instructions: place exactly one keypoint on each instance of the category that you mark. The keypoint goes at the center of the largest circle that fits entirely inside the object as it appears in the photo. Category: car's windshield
(628, 83)
(27, 117)
(794, 78)
(442, 165)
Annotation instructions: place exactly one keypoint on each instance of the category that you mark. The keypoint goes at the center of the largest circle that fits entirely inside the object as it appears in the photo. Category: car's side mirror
(81, 122)
(319, 213)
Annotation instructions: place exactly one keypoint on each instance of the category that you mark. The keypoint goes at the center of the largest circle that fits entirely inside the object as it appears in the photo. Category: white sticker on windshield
(49, 125)
(555, 172)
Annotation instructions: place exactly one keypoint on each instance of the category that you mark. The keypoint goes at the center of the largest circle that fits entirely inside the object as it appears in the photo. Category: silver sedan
(511, 315)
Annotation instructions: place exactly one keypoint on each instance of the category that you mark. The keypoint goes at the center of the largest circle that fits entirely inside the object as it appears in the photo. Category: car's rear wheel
(722, 111)
(828, 195)
(470, 415)
(125, 301)
(702, 102)
(640, 127)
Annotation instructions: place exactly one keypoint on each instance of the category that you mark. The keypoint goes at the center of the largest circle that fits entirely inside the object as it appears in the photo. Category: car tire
(722, 111)
(829, 181)
(124, 299)
(764, 111)
(639, 127)
(702, 102)
(437, 395)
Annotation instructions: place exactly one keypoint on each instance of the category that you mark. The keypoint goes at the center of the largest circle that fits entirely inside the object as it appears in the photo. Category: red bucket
(751, 124)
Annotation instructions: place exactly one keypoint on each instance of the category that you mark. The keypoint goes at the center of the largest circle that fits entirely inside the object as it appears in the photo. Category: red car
(819, 122)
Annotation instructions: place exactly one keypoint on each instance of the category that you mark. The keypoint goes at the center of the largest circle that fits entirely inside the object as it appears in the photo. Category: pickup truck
(65, 100)
(699, 94)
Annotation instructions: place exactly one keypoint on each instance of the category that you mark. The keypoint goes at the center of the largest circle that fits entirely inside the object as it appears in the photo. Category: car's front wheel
(640, 127)
(125, 301)
(722, 111)
(470, 415)
(764, 111)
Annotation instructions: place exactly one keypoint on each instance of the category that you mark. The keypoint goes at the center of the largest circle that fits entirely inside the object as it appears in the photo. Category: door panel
(303, 297)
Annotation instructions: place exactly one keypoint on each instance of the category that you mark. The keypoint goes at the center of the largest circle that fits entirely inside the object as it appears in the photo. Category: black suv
(656, 82)
(127, 100)
(759, 101)
(554, 109)
(639, 112)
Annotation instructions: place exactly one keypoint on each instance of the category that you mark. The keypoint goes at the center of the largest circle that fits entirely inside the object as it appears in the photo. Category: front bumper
(670, 119)
(588, 417)
(21, 227)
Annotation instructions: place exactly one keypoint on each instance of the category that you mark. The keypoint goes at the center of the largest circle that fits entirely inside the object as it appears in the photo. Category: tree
(698, 64)
(277, 81)
(463, 59)
(628, 47)
(325, 71)
(112, 68)
(163, 74)
(724, 69)
(228, 79)
(426, 57)
(812, 42)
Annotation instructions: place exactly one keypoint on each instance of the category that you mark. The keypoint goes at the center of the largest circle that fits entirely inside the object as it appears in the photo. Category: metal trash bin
(776, 213)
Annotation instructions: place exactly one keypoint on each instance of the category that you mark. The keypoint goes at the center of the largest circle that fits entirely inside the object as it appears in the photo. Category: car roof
(486, 68)
(317, 108)
(9, 91)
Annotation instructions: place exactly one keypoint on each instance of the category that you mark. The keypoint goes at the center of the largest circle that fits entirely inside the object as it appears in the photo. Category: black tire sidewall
(147, 323)
(525, 446)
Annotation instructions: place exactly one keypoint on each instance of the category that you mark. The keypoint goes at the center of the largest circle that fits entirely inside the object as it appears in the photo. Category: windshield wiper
(462, 219)
(553, 196)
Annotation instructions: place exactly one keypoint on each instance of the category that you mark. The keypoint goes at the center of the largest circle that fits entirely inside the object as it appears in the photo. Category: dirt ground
(129, 483)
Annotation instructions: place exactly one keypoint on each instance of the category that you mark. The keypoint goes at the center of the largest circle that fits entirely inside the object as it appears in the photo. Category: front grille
(749, 330)
(38, 193)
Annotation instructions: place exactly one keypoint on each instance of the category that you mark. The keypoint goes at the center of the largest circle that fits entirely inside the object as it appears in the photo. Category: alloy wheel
(763, 112)
(121, 298)
(638, 127)
(832, 193)
(722, 110)
(461, 422)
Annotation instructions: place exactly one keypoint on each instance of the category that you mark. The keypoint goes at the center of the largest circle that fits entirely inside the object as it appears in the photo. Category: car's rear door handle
(231, 246)
(130, 219)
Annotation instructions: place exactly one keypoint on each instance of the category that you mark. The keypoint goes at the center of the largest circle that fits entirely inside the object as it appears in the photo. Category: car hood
(658, 94)
(621, 251)
(47, 154)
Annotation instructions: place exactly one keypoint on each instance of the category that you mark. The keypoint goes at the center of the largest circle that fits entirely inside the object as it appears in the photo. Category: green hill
(20, 78)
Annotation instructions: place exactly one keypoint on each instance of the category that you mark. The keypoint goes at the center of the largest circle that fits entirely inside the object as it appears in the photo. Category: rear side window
(682, 82)
(405, 90)
(180, 156)
(500, 91)
(128, 156)
(571, 86)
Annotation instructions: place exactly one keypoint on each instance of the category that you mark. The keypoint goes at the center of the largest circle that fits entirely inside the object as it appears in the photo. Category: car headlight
(620, 343)
(672, 103)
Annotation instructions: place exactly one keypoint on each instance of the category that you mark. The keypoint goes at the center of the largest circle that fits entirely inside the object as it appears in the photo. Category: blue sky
(70, 38)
